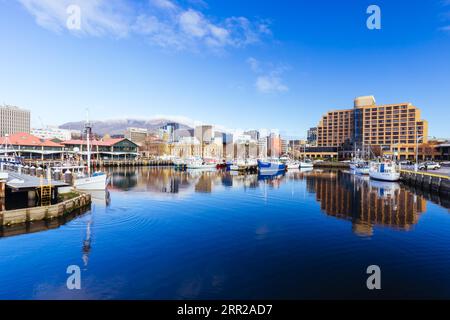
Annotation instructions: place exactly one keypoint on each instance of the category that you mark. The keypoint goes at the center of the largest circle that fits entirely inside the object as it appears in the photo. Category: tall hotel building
(13, 120)
(393, 127)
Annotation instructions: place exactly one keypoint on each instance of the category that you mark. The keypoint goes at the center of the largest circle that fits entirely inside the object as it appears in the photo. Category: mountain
(118, 127)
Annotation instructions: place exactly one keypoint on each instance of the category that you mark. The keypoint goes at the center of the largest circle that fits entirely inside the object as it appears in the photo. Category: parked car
(429, 166)
(445, 164)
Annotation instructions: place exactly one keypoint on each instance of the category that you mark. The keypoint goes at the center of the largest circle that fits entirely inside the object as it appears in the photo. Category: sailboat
(95, 181)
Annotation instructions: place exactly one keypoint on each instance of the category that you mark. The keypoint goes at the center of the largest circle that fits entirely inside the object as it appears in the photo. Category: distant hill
(118, 127)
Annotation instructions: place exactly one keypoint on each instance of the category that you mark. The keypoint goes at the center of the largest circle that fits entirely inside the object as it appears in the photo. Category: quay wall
(430, 182)
(12, 217)
(329, 164)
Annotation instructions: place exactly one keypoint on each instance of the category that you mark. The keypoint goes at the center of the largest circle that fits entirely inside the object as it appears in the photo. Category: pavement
(443, 170)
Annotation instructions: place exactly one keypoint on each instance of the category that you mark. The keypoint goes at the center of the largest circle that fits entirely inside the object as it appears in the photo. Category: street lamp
(416, 166)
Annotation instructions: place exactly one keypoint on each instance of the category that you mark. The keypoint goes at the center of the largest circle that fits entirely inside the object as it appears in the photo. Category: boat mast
(88, 134)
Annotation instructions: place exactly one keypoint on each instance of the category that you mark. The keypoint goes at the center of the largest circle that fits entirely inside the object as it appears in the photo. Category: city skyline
(232, 66)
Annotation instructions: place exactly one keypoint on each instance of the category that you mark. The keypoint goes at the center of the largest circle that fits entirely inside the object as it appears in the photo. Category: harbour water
(163, 234)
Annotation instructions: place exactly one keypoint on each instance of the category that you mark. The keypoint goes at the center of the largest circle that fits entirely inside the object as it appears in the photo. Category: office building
(312, 136)
(137, 135)
(53, 133)
(14, 120)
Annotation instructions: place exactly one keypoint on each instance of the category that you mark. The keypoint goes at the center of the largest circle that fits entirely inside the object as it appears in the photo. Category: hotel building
(13, 120)
(395, 128)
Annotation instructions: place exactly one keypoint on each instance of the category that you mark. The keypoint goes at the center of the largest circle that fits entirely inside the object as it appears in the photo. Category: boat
(306, 164)
(270, 167)
(198, 163)
(292, 165)
(385, 171)
(362, 169)
(96, 181)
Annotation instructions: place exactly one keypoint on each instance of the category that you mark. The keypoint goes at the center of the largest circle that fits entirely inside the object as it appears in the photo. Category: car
(445, 164)
(429, 166)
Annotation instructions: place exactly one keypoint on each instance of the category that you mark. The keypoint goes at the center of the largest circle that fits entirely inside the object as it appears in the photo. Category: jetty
(436, 183)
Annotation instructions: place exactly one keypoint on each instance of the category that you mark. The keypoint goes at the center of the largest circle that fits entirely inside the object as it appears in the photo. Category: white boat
(306, 164)
(197, 163)
(362, 169)
(97, 181)
(292, 165)
(384, 171)
(94, 182)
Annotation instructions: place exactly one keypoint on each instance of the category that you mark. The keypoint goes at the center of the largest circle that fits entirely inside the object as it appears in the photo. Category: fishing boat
(385, 171)
(87, 181)
(306, 164)
(270, 167)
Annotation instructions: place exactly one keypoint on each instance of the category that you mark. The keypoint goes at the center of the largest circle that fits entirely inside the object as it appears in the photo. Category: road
(443, 170)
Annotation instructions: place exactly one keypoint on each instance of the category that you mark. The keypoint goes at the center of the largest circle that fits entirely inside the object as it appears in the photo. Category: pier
(435, 183)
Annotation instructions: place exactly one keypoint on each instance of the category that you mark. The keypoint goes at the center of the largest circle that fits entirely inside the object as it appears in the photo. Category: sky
(239, 64)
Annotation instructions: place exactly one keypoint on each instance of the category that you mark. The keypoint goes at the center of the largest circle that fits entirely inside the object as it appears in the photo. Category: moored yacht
(386, 171)
(307, 163)
(87, 181)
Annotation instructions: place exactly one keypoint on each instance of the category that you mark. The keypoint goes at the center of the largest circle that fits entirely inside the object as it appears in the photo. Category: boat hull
(385, 176)
(269, 168)
(306, 165)
(91, 183)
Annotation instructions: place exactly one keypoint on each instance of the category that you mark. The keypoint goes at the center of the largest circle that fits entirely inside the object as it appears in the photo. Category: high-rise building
(274, 145)
(204, 133)
(14, 120)
(312, 136)
(284, 146)
(254, 134)
(262, 147)
(137, 135)
(394, 128)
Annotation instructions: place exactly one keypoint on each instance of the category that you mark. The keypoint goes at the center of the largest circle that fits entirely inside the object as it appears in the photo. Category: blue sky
(239, 64)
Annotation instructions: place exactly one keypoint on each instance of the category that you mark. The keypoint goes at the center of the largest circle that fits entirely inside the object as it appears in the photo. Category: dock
(432, 182)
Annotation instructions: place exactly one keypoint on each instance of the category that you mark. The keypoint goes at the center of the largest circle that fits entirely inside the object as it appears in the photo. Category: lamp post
(416, 165)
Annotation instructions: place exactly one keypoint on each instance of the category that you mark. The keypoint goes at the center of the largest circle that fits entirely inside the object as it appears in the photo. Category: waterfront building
(51, 132)
(312, 136)
(111, 149)
(23, 144)
(387, 127)
(14, 120)
(153, 146)
(444, 151)
(245, 147)
(137, 135)
(187, 147)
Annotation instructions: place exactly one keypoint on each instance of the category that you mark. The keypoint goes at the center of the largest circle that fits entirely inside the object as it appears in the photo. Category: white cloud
(268, 78)
(270, 84)
(98, 17)
(163, 23)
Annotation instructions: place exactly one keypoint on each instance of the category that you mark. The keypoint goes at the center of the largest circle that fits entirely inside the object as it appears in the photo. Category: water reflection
(366, 202)
(358, 199)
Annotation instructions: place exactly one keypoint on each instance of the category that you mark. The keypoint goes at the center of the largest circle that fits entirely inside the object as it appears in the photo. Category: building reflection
(366, 202)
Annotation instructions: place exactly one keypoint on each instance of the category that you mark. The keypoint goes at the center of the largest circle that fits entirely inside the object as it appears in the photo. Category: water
(161, 234)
